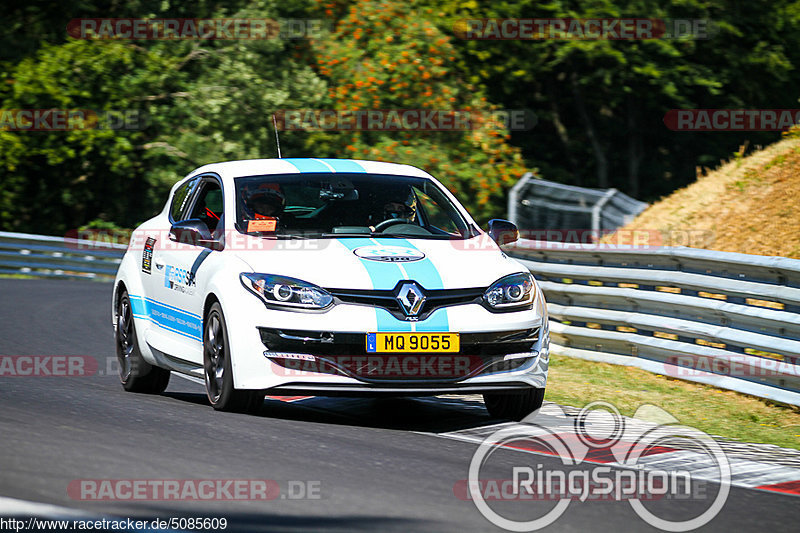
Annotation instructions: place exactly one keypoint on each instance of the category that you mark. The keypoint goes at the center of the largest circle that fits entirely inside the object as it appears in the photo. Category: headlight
(286, 292)
(516, 290)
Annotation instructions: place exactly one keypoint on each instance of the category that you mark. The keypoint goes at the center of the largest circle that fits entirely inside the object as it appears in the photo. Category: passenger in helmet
(265, 202)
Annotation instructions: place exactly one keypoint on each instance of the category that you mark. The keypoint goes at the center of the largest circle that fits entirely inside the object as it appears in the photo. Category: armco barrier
(726, 319)
(730, 320)
(538, 203)
(58, 257)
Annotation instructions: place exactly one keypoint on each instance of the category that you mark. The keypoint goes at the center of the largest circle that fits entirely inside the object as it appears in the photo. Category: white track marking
(15, 507)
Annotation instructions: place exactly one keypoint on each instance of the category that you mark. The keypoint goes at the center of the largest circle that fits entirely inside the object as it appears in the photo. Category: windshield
(341, 205)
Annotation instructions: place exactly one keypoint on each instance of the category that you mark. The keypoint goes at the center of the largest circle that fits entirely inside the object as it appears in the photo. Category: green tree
(388, 55)
(204, 101)
(601, 103)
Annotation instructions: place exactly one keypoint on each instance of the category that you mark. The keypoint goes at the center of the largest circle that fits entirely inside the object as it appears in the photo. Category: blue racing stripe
(308, 165)
(386, 322)
(139, 306)
(345, 165)
(384, 276)
(167, 317)
(425, 273)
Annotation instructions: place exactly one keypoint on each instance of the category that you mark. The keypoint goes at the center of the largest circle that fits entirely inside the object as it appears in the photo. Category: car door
(178, 297)
(154, 241)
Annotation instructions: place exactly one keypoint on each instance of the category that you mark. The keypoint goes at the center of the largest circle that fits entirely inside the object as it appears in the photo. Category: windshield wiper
(282, 237)
(375, 235)
(335, 235)
(432, 236)
(372, 234)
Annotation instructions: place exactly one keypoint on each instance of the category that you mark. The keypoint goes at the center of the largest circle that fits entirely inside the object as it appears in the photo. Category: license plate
(412, 342)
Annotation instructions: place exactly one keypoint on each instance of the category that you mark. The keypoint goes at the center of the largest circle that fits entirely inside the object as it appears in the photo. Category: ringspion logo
(599, 441)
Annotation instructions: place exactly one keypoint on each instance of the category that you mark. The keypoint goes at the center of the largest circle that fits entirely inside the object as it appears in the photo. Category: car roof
(257, 167)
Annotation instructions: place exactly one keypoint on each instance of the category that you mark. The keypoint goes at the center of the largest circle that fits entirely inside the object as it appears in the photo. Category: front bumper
(325, 353)
(486, 362)
(344, 354)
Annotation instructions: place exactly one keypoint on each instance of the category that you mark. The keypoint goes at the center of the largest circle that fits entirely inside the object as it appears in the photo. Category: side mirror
(195, 232)
(503, 231)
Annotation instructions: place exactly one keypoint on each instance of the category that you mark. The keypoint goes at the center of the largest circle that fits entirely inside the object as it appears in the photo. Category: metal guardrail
(730, 320)
(538, 203)
(58, 257)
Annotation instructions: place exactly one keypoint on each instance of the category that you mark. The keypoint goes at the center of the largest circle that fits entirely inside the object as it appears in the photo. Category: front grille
(434, 299)
(345, 354)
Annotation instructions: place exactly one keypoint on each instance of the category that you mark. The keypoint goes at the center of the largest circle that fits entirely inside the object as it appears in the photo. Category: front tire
(135, 374)
(513, 406)
(218, 369)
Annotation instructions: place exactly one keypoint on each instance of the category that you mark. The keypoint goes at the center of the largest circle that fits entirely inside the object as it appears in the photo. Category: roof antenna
(277, 139)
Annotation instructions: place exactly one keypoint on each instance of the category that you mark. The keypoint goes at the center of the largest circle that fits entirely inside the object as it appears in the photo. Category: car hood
(380, 263)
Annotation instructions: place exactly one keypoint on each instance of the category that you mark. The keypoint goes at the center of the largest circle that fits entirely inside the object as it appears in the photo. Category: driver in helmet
(399, 206)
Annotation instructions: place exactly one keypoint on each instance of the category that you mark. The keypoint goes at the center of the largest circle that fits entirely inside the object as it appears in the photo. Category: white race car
(327, 277)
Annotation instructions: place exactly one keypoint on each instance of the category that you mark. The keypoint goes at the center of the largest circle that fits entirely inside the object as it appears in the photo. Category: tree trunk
(563, 135)
(599, 153)
(634, 149)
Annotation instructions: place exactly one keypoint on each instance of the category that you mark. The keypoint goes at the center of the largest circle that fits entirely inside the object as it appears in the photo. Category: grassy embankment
(749, 205)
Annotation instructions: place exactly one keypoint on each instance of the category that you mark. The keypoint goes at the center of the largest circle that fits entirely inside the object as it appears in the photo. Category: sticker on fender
(412, 342)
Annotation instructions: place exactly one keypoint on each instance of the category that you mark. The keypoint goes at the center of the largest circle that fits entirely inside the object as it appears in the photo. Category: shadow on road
(428, 414)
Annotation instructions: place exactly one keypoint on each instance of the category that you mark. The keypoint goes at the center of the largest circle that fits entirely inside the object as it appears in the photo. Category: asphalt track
(379, 464)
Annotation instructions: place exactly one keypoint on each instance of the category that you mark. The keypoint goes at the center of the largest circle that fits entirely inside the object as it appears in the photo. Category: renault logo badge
(410, 297)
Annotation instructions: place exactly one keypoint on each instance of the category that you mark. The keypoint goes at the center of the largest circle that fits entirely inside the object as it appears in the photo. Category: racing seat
(209, 208)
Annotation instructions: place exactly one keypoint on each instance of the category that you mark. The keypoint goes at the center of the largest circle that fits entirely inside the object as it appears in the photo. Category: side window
(435, 216)
(208, 206)
(180, 200)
